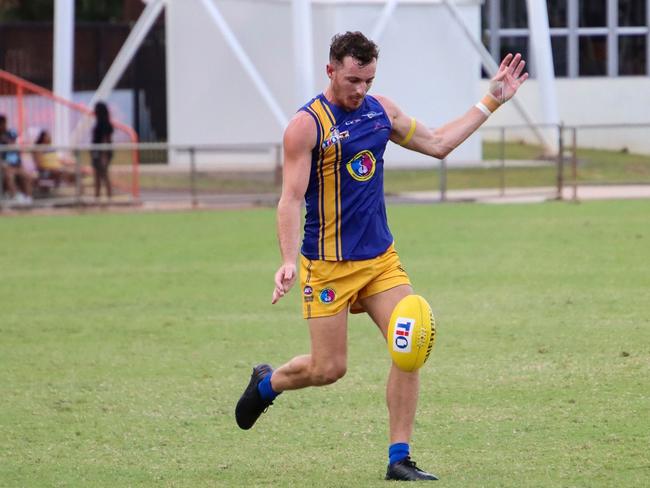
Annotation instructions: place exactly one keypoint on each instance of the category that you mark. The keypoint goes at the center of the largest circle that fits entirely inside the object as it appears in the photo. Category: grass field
(127, 339)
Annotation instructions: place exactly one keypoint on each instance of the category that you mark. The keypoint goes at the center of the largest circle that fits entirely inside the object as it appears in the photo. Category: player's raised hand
(285, 277)
(509, 78)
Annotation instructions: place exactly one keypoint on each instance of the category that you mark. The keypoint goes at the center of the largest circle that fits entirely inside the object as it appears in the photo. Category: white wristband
(481, 106)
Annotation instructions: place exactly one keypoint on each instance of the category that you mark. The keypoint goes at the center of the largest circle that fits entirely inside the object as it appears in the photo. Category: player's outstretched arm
(299, 139)
(441, 141)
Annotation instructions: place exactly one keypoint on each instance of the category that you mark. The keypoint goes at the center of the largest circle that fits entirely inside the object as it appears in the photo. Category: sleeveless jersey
(345, 209)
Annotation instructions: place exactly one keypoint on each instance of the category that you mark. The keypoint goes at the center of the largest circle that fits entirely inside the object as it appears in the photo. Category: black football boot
(251, 405)
(406, 470)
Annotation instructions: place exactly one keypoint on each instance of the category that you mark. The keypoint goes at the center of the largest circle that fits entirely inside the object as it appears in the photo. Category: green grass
(223, 182)
(127, 339)
(594, 165)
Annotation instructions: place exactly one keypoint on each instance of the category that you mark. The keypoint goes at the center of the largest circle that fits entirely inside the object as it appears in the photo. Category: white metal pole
(63, 67)
(540, 38)
(246, 62)
(303, 49)
(128, 50)
(382, 22)
(647, 44)
(491, 67)
(572, 50)
(494, 22)
(612, 39)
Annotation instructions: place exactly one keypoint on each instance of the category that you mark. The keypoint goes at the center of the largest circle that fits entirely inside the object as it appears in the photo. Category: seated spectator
(50, 165)
(15, 178)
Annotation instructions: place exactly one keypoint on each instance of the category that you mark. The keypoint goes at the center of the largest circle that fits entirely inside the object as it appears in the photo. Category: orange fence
(31, 109)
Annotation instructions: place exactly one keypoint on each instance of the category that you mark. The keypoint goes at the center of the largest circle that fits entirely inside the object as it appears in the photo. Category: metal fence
(513, 164)
(218, 174)
(578, 155)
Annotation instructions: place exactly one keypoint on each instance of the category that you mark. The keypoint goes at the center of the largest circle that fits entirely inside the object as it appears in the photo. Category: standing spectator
(14, 176)
(102, 134)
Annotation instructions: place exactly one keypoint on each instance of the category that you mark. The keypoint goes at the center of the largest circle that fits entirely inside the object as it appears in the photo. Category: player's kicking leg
(326, 364)
(401, 393)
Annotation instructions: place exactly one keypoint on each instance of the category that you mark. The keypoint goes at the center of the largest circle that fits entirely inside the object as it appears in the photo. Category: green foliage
(102, 10)
(32, 10)
(127, 339)
(43, 10)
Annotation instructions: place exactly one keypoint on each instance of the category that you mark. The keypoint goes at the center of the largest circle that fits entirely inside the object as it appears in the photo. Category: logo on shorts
(362, 166)
(308, 293)
(402, 335)
(327, 296)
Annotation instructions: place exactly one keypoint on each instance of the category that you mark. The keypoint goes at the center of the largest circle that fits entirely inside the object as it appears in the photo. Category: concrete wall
(589, 101)
(426, 66)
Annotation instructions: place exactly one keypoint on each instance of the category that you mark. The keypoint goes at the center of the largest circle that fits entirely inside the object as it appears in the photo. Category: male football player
(333, 160)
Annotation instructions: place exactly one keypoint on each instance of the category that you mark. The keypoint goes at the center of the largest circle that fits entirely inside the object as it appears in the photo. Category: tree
(43, 10)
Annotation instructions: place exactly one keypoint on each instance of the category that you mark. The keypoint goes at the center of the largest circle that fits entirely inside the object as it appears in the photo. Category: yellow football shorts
(330, 286)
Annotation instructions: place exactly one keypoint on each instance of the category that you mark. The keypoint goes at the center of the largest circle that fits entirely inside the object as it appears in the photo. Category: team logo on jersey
(372, 115)
(327, 296)
(362, 166)
(380, 126)
(334, 137)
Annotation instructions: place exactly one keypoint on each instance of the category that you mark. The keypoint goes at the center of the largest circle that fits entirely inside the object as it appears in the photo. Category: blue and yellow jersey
(346, 213)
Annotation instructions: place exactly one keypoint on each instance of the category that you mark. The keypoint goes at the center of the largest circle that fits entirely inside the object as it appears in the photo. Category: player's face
(350, 82)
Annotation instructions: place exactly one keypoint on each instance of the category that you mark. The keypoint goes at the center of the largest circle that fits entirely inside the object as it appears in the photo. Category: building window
(632, 13)
(593, 55)
(560, 62)
(557, 13)
(513, 14)
(514, 45)
(588, 37)
(629, 61)
(593, 13)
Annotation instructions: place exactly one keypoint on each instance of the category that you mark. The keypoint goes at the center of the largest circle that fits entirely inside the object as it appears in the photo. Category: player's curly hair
(353, 44)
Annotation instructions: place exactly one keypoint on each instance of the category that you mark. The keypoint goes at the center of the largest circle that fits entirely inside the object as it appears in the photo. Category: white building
(426, 65)
(238, 69)
(601, 61)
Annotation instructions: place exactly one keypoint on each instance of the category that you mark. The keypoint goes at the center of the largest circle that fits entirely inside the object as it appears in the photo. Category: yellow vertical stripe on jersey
(337, 176)
(319, 174)
(328, 196)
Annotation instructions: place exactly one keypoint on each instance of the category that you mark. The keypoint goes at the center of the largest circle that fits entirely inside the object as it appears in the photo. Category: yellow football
(411, 333)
